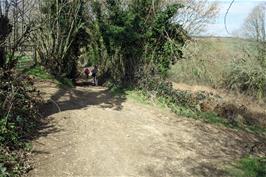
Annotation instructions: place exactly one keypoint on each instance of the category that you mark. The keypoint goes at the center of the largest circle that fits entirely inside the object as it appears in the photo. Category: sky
(237, 15)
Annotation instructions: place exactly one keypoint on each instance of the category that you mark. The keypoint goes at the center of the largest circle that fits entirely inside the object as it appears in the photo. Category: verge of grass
(164, 103)
(40, 73)
(138, 96)
(248, 167)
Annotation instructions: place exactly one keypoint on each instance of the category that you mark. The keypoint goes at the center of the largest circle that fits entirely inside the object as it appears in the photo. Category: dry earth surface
(97, 134)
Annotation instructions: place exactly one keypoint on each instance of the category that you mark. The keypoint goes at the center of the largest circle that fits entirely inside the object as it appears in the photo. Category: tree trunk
(5, 29)
(2, 57)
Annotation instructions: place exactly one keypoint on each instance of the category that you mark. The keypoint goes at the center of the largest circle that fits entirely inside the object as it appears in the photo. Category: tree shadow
(65, 99)
(60, 99)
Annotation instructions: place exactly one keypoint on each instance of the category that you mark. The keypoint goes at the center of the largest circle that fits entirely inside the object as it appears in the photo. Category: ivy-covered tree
(137, 34)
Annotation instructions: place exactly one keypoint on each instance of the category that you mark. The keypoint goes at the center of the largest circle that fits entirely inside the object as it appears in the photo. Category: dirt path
(96, 134)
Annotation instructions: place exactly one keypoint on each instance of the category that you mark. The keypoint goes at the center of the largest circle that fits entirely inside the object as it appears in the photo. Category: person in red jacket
(87, 72)
(91, 71)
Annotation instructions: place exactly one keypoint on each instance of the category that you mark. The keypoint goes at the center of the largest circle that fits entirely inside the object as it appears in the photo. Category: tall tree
(255, 24)
(255, 28)
(60, 36)
(196, 14)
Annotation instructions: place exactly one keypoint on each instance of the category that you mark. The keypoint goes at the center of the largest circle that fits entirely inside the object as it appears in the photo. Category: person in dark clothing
(94, 74)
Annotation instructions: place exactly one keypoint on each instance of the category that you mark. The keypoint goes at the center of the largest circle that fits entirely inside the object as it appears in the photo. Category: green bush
(247, 76)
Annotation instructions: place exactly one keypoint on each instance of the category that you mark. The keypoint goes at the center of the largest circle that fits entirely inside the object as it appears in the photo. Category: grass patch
(255, 129)
(24, 61)
(137, 96)
(62, 82)
(249, 167)
(39, 72)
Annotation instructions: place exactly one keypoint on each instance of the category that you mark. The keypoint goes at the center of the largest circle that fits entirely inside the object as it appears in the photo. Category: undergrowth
(187, 104)
(233, 64)
(145, 98)
(247, 76)
(19, 117)
(181, 109)
(185, 111)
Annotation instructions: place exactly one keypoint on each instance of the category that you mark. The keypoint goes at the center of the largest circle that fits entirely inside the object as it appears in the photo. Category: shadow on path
(60, 99)
(65, 99)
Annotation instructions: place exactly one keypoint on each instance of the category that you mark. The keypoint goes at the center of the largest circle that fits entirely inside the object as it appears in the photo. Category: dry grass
(208, 60)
